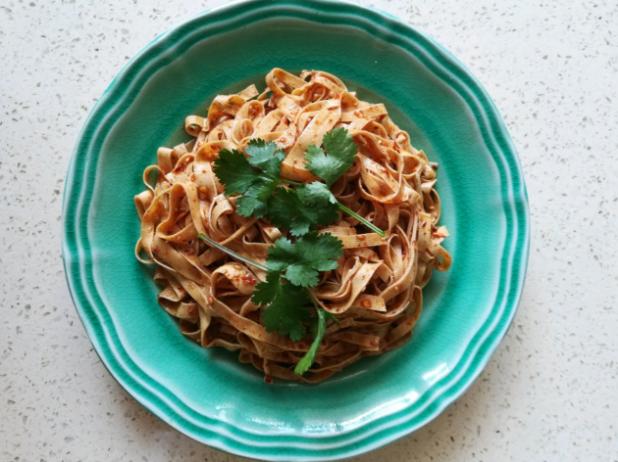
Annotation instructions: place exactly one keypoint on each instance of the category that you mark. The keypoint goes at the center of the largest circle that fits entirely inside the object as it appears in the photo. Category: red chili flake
(366, 303)
(248, 279)
(268, 379)
(361, 237)
(210, 299)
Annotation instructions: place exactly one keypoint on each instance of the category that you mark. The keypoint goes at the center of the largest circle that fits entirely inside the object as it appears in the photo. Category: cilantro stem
(226, 250)
(307, 360)
(361, 219)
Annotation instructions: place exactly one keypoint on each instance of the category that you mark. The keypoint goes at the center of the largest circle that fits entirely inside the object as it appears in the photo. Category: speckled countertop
(549, 393)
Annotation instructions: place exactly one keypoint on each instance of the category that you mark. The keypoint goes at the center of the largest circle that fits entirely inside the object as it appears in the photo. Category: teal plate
(207, 394)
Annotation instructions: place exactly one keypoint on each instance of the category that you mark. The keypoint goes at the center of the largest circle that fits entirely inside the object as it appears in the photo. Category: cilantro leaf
(307, 360)
(254, 201)
(265, 156)
(285, 211)
(254, 177)
(287, 306)
(234, 171)
(249, 205)
(265, 292)
(301, 208)
(300, 262)
(336, 157)
(316, 193)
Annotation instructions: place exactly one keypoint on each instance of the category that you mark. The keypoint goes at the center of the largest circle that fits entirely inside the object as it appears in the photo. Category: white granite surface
(550, 393)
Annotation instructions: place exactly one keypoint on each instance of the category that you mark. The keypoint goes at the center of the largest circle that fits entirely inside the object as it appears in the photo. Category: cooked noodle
(375, 293)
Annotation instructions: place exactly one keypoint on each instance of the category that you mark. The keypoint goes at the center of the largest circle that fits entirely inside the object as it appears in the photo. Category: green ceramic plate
(207, 394)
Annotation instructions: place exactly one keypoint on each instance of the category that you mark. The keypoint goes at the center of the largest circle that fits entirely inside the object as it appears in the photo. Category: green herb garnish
(297, 207)
(331, 161)
(300, 209)
(301, 261)
(338, 158)
(307, 360)
(262, 193)
(254, 177)
(287, 307)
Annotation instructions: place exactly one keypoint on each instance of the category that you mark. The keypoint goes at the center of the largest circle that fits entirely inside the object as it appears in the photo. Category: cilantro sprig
(301, 261)
(254, 177)
(334, 158)
(300, 210)
(288, 307)
(297, 207)
(292, 268)
(331, 161)
(262, 193)
(287, 303)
